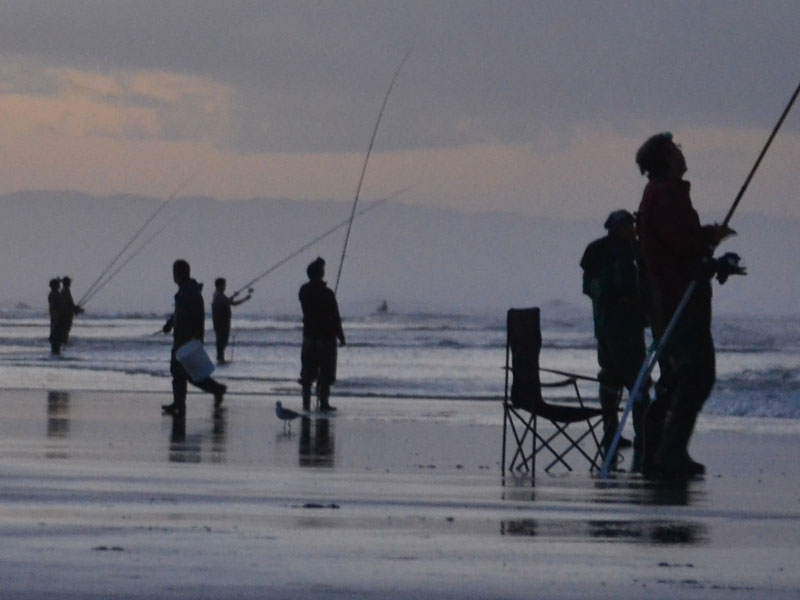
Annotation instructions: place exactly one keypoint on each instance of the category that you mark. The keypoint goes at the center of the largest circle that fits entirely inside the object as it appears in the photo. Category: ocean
(389, 356)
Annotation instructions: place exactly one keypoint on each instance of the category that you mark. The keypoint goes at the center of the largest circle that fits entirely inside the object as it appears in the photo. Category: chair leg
(574, 443)
(505, 430)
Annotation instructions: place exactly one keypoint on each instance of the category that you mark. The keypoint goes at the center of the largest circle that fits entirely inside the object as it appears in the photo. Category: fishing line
(90, 290)
(364, 168)
(133, 255)
(321, 237)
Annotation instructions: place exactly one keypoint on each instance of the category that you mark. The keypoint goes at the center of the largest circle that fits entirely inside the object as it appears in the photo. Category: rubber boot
(653, 427)
(323, 393)
(609, 402)
(306, 396)
(638, 412)
(178, 406)
(673, 459)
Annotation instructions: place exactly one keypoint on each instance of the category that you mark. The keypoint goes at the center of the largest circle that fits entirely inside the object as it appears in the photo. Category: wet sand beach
(103, 497)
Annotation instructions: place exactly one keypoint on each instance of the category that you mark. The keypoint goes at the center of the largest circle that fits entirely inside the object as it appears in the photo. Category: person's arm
(169, 324)
(241, 300)
(338, 321)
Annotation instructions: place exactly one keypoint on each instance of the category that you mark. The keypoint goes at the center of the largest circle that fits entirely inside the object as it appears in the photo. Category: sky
(534, 108)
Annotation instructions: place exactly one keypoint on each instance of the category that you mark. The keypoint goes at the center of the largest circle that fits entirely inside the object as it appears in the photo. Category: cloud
(133, 106)
(514, 105)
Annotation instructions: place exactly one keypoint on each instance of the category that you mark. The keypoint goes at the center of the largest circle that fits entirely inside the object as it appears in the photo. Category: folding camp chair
(524, 406)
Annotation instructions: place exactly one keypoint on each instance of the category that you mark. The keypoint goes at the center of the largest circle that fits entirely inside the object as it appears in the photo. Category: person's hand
(721, 232)
(167, 328)
(729, 264)
(79, 310)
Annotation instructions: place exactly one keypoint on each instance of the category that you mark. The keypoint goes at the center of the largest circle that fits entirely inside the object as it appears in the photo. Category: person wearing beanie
(322, 326)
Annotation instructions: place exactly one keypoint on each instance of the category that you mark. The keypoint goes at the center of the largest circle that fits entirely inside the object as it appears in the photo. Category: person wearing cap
(221, 315)
(611, 279)
(674, 245)
(70, 308)
(322, 326)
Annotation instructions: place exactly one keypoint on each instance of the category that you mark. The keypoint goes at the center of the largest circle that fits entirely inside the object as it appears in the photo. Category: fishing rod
(133, 255)
(656, 351)
(322, 236)
(135, 237)
(364, 168)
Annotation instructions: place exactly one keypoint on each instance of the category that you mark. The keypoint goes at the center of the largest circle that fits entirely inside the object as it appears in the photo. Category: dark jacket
(673, 244)
(321, 320)
(611, 280)
(221, 312)
(188, 320)
(55, 304)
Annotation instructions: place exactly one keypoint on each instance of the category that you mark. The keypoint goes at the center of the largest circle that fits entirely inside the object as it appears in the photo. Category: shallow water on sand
(100, 494)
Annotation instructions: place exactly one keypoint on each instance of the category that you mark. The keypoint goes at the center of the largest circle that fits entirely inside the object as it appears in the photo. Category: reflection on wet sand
(629, 491)
(317, 449)
(646, 531)
(185, 448)
(651, 492)
(58, 422)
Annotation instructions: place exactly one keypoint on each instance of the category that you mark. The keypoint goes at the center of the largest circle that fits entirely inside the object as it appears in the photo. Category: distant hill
(416, 258)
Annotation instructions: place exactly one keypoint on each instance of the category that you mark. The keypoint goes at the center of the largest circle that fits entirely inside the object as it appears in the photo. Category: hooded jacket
(188, 320)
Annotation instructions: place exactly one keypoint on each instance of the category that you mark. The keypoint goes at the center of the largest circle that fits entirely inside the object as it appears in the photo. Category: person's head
(220, 283)
(55, 284)
(66, 281)
(181, 271)
(660, 158)
(620, 224)
(316, 270)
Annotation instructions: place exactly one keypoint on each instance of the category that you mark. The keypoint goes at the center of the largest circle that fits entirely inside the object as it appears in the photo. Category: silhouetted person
(70, 308)
(187, 323)
(611, 280)
(322, 325)
(221, 315)
(675, 246)
(57, 311)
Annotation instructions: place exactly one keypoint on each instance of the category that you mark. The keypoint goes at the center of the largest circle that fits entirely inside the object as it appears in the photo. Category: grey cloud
(480, 71)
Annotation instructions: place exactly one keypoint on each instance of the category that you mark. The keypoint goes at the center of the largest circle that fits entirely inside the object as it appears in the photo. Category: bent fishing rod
(321, 237)
(656, 351)
(364, 168)
(133, 255)
(149, 220)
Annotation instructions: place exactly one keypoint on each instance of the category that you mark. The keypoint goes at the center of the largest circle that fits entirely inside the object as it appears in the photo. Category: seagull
(285, 414)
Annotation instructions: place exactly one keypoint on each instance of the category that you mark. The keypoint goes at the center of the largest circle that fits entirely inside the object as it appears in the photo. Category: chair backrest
(524, 343)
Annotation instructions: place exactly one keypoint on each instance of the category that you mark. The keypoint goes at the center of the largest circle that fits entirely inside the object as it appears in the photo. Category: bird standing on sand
(286, 415)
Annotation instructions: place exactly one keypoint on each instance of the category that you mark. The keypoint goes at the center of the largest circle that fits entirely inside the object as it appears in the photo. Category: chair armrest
(563, 383)
(568, 374)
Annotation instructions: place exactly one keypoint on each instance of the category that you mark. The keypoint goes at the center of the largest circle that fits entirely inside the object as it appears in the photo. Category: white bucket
(194, 359)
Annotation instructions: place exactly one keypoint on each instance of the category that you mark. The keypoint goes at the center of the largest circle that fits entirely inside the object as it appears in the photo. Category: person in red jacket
(675, 246)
